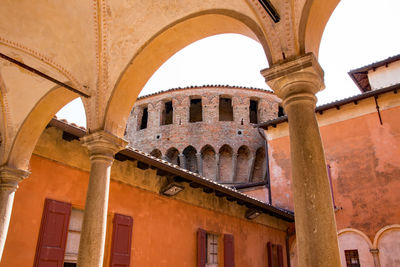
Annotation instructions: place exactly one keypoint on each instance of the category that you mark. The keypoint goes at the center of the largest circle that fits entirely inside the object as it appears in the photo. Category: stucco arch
(358, 232)
(351, 239)
(379, 234)
(387, 241)
(34, 124)
(314, 17)
(162, 46)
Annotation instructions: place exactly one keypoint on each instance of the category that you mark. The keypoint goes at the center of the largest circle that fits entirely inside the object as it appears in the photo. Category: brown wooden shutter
(201, 248)
(121, 241)
(269, 253)
(280, 256)
(53, 234)
(229, 251)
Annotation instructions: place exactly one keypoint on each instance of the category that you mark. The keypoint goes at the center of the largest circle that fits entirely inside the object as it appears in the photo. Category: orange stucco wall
(164, 229)
(365, 164)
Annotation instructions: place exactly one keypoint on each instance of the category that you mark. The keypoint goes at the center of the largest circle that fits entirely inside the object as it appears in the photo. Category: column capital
(10, 177)
(301, 77)
(374, 251)
(103, 144)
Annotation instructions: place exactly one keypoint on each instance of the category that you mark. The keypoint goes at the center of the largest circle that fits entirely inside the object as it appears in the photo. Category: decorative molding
(358, 232)
(43, 58)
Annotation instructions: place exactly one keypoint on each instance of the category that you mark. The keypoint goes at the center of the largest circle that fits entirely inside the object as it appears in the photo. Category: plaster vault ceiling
(109, 48)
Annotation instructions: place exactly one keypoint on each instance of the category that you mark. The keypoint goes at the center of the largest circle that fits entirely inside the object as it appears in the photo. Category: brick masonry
(227, 151)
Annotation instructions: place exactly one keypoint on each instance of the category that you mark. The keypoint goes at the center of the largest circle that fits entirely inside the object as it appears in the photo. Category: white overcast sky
(358, 33)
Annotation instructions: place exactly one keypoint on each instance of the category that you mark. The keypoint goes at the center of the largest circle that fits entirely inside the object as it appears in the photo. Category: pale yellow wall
(385, 76)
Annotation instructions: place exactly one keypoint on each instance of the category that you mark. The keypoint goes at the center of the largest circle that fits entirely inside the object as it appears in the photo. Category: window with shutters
(352, 259)
(121, 244)
(212, 250)
(208, 248)
(73, 237)
(53, 234)
(275, 255)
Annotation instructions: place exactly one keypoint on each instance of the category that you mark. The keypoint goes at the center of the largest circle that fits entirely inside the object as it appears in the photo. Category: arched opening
(163, 46)
(259, 165)
(172, 156)
(242, 164)
(209, 162)
(313, 20)
(30, 131)
(156, 153)
(355, 248)
(73, 112)
(225, 164)
(387, 241)
(191, 159)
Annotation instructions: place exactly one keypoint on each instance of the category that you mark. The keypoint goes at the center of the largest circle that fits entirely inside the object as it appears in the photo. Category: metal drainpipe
(267, 174)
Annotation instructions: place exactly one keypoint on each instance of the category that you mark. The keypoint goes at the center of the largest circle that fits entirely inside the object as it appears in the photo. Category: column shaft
(182, 161)
(199, 163)
(102, 147)
(9, 183)
(296, 82)
(375, 256)
(217, 167)
(234, 167)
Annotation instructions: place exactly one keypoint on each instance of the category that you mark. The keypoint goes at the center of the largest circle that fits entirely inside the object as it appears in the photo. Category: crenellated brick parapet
(209, 130)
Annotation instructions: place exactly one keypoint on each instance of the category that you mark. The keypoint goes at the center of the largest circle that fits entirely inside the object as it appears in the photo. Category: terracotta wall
(365, 164)
(164, 229)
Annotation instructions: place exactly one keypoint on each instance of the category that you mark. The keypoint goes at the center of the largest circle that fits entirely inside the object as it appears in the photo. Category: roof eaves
(335, 104)
(192, 177)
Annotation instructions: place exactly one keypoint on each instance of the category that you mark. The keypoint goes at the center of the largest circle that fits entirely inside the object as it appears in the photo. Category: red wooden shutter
(229, 251)
(121, 241)
(269, 252)
(280, 256)
(53, 234)
(201, 248)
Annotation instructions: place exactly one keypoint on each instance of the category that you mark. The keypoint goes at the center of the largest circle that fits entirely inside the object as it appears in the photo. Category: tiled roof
(194, 179)
(335, 104)
(360, 75)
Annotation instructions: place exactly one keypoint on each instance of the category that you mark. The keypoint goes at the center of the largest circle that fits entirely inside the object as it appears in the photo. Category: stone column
(199, 163)
(252, 161)
(9, 180)
(217, 167)
(234, 166)
(182, 161)
(102, 146)
(375, 256)
(296, 82)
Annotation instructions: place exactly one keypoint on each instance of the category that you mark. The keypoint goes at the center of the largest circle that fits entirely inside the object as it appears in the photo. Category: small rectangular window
(212, 250)
(225, 109)
(196, 110)
(167, 113)
(145, 115)
(253, 111)
(352, 259)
